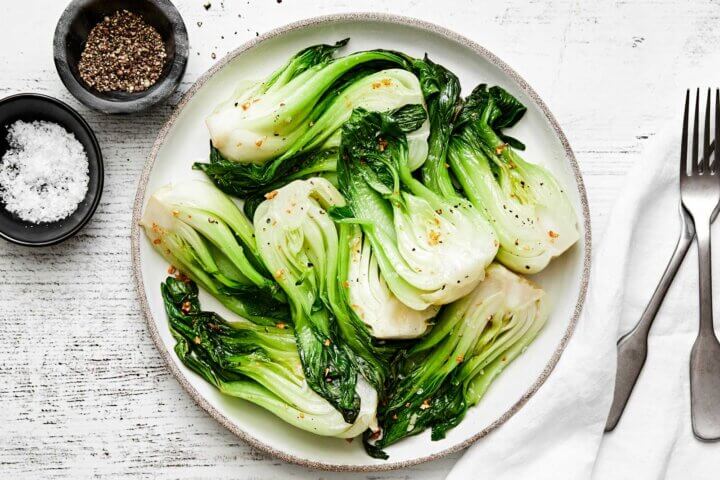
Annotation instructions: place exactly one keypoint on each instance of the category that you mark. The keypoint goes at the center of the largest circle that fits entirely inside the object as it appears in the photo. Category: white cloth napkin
(559, 433)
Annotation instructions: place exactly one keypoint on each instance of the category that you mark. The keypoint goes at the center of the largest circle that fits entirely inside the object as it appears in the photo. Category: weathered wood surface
(83, 391)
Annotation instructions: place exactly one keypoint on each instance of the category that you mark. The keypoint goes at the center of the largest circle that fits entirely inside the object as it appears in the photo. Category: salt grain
(44, 173)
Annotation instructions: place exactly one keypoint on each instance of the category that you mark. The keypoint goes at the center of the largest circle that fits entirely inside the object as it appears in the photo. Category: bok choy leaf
(259, 364)
(298, 242)
(532, 215)
(268, 128)
(203, 233)
(431, 250)
(451, 368)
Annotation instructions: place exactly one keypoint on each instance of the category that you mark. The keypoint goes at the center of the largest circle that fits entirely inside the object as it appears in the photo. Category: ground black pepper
(122, 53)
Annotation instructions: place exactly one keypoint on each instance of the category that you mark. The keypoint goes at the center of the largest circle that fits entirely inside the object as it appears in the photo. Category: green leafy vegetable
(203, 233)
(431, 250)
(317, 164)
(268, 128)
(257, 363)
(505, 111)
(372, 358)
(298, 242)
(300, 62)
(365, 284)
(441, 89)
(371, 299)
(451, 368)
(531, 213)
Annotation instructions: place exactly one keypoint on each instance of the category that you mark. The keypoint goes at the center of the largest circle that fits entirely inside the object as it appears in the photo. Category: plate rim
(339, 18)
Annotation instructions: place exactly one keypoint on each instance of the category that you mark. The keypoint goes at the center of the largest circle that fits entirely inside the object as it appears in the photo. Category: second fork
(700, 195)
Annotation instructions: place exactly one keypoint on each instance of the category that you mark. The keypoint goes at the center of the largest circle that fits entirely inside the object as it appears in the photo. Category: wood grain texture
(83, 391)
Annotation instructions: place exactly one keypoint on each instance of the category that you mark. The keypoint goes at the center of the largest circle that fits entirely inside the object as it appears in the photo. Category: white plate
(184, 139)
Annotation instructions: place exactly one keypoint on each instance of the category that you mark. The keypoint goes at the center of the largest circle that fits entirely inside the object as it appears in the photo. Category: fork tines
(700, 165)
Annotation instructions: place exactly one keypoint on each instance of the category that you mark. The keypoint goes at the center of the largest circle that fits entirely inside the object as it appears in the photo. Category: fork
(632, 347)
(700, 196)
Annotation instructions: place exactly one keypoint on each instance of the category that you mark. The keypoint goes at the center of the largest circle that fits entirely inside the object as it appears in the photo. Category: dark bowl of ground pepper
(120, 56)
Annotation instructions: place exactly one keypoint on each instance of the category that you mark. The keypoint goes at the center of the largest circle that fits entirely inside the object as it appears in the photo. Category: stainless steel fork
(700, 195)
(633, 346)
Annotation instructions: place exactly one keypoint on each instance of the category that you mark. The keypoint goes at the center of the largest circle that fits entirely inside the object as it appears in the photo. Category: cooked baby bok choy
(257, 363)
(506, 111)
(371, 299)
(531, 213)
(431, 250)
(451, 368)
(372, 357)
(266, 129)
(441, 89)
(372, 249)
(298, 242)
(199, 230)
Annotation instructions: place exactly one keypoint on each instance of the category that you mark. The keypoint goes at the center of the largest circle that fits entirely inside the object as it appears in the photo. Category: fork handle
(705, 269)
(705, 354)
(632, 347)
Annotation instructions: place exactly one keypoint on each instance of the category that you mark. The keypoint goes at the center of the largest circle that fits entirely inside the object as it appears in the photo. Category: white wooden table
(83, 391)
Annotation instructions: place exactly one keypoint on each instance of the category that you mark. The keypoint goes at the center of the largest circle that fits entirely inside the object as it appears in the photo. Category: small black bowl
(72, 31)
(29, 107)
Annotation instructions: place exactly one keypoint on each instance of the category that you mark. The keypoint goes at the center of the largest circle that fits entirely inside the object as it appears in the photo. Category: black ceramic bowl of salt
(30, 107)
(71, 34)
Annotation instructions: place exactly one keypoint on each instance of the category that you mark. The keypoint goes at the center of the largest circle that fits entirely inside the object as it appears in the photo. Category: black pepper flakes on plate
(122, 53)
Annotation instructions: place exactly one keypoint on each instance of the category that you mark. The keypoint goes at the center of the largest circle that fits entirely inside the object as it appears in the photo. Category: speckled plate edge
(362, 17)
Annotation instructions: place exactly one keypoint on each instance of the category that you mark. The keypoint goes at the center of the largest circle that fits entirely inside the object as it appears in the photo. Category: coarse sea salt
(44, 172)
